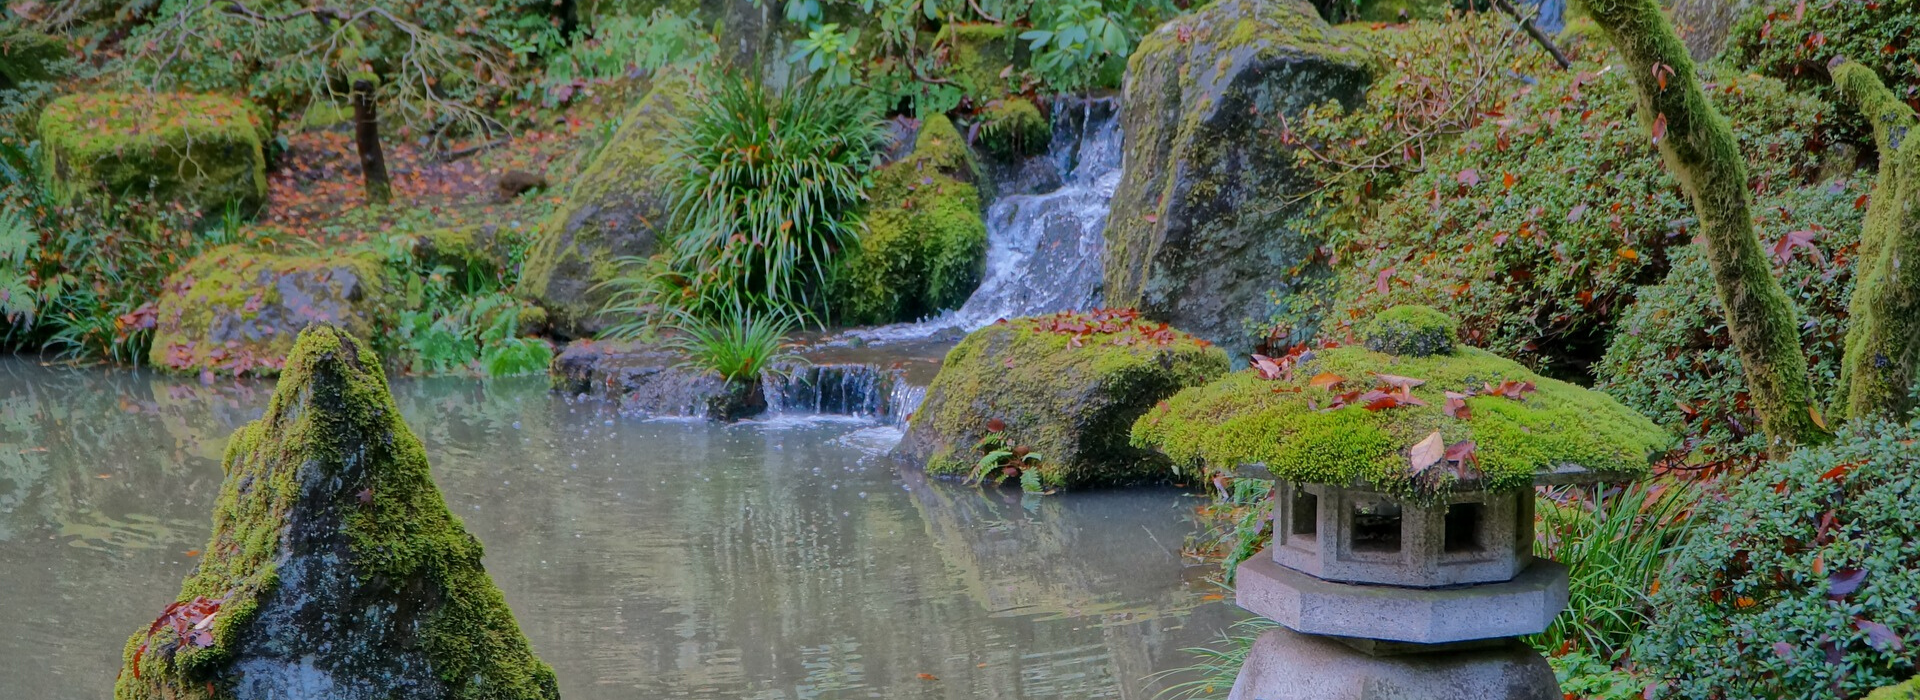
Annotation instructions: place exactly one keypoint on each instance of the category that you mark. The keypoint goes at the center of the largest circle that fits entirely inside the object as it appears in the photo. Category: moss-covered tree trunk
(366, 134)
(1698, 145)
(1884, 338)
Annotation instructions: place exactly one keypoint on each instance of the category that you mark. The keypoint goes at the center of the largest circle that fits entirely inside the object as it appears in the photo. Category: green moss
(227, 310)
(27, 55)
(1879, 366)
(1292, 426)
(1411, 330)
(204, 150)
(979, 53)
(617, 206)
(333, 414)
(1014, 127)
(1909, 690)
(1066, 394)
(924, 246)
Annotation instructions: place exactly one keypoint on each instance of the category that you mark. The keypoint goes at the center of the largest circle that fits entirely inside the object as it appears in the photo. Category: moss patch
(1313, 424)
(204, 150)
(925, 243)
(1014, 127)
(332, 465)
(979, 53)
(236, 311)
(1909, 690)
(1066, 386)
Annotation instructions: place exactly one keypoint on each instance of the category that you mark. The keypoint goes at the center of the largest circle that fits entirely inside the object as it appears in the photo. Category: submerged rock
(1066, 387)
(1203, 228)
(236, 311)
(335, 569)
(202, 150)
(925, 244)
(616, 208)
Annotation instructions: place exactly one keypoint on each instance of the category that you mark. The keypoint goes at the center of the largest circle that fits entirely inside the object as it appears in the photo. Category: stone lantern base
(1286, 665)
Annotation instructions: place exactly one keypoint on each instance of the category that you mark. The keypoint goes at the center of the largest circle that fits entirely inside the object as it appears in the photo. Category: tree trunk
(366, 134)
(1698, 146)
(1884, 336)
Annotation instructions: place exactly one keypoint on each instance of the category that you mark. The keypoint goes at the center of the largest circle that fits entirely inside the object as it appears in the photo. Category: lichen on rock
(335, 568)
(235, 311)
(1066, 386)
(1351, 416)
(1205, 223)
(924, 245)
(618, 207)
(202, 150)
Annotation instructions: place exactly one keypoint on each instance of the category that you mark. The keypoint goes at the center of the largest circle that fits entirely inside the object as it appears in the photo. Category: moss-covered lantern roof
(1407, 411)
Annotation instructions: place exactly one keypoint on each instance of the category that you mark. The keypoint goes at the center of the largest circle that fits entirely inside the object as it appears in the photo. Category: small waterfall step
(885, 384)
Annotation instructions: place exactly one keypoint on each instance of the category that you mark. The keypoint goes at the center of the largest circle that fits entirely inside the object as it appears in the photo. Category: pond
(644, 559)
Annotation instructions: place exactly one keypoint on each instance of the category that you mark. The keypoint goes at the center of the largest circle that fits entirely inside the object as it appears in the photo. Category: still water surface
(644, 559)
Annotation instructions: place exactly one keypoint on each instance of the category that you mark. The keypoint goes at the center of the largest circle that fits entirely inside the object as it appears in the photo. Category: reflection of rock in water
(1064, 557)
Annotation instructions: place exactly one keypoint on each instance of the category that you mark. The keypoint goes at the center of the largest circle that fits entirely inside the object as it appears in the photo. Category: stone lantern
(1402, 560)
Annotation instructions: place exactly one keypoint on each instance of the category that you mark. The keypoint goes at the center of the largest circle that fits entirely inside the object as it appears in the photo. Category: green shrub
(469, 333)
(1671, 356)
(1614, 542)
(617, 46)
(1794, 40)
(1536, 230)
(1800, 584)
(765, 186)
(924, 242)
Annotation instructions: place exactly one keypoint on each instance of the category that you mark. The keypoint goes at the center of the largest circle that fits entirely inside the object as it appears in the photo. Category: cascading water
(1043, 250)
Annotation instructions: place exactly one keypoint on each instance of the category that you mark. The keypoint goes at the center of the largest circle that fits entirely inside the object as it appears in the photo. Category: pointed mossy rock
(925, 244)
(617, 207)
(1316, 423)
(204, 151)
(1204, 226)
(238, 311)
(1066, 386)
(335, 569)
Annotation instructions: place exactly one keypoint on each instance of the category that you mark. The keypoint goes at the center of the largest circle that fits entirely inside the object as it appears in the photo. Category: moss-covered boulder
(1065, 387)
(618, 207)
(925, 244)
(27, 55)
(1204, 226)
(235, 311)
(335, 568)
(985, 59)
(202, 150)
(1909, 690)
(1014, 127)
(1437, 415)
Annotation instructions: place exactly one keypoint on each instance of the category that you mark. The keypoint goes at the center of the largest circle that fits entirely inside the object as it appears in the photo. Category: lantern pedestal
(1287, 665)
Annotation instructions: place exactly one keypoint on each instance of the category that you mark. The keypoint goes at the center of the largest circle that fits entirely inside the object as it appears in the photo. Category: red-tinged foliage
(1843, 582)
(1783, 249)
(1510, 389)
(1456, 406)
(191, 622)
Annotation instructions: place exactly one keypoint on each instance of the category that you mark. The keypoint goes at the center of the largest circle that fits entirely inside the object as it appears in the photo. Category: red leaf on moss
(1325, 380)
(1659, 128)
(1839, 472)
(996, 425)
(1398, 382)
(1456, 406)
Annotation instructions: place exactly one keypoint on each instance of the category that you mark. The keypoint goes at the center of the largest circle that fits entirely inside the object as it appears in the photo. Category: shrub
(477, 333)
(1671, 356)
(765, 184)
(1794, 40)
(1536, 230)
(1800, 584)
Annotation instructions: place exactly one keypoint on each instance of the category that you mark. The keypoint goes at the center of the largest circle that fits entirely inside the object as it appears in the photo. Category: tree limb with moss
(1883, 343)
(1699, 147)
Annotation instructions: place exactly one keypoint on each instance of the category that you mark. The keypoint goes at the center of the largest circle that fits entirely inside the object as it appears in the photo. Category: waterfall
(1043, 250)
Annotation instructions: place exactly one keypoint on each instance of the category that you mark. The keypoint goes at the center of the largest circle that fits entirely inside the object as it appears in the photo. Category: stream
(783, 558)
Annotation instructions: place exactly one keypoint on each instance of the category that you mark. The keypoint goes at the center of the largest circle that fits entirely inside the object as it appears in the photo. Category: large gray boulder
(335, 569)
(1205, 224)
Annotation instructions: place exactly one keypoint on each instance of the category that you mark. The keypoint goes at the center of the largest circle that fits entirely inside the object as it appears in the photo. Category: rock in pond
(1066, 387)
(235, 311)
(616, 208)
(335, 569)
(1204, 223)
(652, 380)
(201, 150)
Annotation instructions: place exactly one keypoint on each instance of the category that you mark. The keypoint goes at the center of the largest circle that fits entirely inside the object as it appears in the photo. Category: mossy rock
(618, 207)
(202, 150)
(1208, 217)
(27, 55)
(1339, 416)
(925, 244)
(1014, 127)
(1067, 386)
(334, 562)
(477, 251)
(236, 311)
(978, 54)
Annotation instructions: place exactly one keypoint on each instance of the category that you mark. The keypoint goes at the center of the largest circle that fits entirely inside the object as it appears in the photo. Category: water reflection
(644, 559)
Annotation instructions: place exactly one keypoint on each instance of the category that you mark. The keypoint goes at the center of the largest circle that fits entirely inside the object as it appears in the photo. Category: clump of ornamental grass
(740, 344)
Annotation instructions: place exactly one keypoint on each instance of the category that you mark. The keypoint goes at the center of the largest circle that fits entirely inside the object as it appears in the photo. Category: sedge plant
(741, 344)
